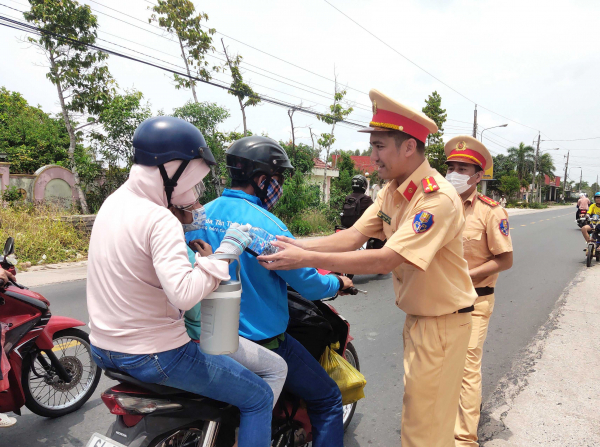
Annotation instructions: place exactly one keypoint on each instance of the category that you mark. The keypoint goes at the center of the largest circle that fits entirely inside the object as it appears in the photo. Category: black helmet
(255, 155)
(161, 139)
(359, 182)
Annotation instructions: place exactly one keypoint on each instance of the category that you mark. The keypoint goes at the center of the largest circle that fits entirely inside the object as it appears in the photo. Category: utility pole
(535, 162)
(565, 179)
(475, 123)
(580, 179)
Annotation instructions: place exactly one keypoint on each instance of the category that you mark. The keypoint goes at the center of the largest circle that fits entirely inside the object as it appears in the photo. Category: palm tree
(546, 166)
(523, 158)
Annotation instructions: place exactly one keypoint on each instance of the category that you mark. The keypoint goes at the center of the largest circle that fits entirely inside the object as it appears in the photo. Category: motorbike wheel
(590, 255)
(47, 395)
(352, 358)
(185, 437)
(597, 254)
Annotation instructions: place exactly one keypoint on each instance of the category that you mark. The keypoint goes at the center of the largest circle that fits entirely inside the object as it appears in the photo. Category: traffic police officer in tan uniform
(421, 216)
(488, 250)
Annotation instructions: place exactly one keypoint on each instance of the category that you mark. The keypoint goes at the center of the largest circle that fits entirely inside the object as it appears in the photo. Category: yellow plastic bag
(350, 381)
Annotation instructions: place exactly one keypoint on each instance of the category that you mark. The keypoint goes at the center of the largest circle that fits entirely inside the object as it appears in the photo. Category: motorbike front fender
(44, 341)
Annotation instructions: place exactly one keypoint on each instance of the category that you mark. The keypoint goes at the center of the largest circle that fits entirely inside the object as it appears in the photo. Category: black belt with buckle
(484, 291)
(465, 310)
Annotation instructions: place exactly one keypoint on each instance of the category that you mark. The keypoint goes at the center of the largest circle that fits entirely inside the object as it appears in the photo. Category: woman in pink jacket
(140, 279)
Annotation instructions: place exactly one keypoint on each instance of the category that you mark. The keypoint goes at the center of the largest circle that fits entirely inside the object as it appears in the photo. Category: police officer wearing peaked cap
(421, 216)
(488, 250)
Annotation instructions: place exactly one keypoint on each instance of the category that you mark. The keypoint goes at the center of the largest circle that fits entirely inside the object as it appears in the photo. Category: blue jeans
(216, 376)
(308, 380)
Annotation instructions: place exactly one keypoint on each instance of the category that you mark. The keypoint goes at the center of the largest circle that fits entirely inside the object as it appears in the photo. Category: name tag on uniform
(387, 219)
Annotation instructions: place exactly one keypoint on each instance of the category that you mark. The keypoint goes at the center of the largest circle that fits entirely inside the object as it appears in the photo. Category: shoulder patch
(504, 227)
(486, 199)
(422, 222)
(429, 185)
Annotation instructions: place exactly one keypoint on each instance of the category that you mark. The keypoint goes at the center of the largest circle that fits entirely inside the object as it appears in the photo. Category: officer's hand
(347, 284)
(291, 241)
(289, 257)
(204, 248)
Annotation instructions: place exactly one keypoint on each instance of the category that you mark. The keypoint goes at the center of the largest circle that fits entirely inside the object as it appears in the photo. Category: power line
(30, 28)
(357, 105)
(421, 68)
(224, 82)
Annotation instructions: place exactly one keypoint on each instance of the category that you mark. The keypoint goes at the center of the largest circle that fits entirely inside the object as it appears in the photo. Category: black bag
(308, 325)
(350, 211)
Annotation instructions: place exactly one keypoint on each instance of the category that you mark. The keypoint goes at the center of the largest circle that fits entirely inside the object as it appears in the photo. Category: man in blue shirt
(256, 165)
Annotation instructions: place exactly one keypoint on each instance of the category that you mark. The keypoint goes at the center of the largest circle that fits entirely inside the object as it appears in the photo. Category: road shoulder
(53, 274)
(551, 396)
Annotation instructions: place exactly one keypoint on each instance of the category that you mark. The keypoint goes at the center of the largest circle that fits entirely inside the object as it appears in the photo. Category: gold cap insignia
(461, 146)
(374, 107)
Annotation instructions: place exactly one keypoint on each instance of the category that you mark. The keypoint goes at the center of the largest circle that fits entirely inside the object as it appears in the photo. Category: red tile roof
(362, 162)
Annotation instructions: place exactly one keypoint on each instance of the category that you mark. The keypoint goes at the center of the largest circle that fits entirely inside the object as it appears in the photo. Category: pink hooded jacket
(139, 275)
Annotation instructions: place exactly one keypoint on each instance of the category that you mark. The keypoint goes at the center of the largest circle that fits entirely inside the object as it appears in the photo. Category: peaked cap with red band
(390, 115)
(466, 149)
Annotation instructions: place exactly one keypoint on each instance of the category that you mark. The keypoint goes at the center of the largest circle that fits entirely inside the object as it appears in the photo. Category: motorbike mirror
(9, 247)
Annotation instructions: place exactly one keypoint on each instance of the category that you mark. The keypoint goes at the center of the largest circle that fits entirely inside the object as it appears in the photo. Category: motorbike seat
(155, 388)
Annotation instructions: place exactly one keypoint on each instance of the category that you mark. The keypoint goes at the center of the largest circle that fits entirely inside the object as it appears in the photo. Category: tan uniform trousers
(467, 419)
(434, 361)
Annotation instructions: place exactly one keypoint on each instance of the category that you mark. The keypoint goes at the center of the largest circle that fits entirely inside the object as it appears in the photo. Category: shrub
(40, 234)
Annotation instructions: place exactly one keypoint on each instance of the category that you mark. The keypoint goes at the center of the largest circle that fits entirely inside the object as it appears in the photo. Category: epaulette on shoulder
(486, 199)
(429, 185)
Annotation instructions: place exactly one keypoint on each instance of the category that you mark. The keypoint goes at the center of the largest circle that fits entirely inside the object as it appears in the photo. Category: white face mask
(459, 181)
(198, 220)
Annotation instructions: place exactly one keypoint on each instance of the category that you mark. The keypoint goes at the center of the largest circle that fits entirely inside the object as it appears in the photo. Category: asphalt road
(548, 254)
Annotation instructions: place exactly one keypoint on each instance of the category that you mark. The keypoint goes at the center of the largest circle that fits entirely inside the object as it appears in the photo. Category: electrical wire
(421, 68)
(30, 28)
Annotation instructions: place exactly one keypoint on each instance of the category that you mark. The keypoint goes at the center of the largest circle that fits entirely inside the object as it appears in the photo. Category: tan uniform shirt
(486, 235)
(426, 229)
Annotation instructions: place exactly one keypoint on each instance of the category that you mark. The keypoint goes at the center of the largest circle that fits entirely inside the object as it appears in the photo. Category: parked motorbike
(582, 218)
(593, 249)
(149, 415)
(51, 367)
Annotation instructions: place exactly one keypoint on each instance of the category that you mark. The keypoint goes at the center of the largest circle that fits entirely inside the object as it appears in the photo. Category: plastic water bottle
(261, 242)
(220, 315)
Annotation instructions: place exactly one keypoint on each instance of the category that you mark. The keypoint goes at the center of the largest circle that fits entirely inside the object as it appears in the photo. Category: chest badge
(422, 222)
(504, 227)
(387, 219)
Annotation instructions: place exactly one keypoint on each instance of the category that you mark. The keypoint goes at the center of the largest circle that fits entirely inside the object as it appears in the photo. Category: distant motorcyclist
(357, 202)
(594, 209)
(583, 204)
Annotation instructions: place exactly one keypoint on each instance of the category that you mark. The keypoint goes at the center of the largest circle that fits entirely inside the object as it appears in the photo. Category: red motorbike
(51, 367)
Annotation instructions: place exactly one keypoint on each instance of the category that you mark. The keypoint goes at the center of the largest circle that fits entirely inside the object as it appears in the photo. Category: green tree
(302, 157)
(242, 91)
(503, 165)
(367, 151)
(28, 136)
(509, 185)
(522, 157)
(207, 116)
(119, 119)
(180, 18)
(337, 112)
(82, 81)
(434, 150)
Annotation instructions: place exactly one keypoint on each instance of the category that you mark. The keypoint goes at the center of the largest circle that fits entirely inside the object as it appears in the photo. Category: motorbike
(581, 218)
(150, 415)
(51, 370)
(593, 247)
